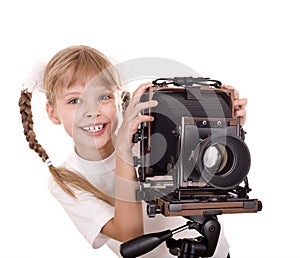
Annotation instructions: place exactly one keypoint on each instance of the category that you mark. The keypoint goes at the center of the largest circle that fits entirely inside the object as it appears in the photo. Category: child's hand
(239, 105)
(131, 121)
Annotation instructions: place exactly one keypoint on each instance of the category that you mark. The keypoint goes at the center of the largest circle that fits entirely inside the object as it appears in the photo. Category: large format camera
(193, 162)
(193, 159)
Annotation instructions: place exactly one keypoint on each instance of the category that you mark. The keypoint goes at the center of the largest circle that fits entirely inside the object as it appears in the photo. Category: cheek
(113, 115)
(68, 121)
(118, 120)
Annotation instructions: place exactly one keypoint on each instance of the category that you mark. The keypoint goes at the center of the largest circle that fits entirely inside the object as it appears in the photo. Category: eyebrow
(72, 93)
(69, 94)
(104, 90)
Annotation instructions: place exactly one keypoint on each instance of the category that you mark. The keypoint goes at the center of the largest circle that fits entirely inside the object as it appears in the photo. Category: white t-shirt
(89, 214)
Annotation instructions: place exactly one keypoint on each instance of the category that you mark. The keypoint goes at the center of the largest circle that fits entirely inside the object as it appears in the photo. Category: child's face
(88, 115)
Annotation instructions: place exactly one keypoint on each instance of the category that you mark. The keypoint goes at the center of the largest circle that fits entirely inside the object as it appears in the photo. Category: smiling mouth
(93, 129)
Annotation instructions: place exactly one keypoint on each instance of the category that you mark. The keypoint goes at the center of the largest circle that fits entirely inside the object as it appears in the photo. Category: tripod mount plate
(206, 204)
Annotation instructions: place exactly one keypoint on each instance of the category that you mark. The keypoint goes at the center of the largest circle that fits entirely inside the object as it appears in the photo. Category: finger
(240, 113)
(141, 89)
(135, 108)
(136, 96)
(240, 103)
(132, 114)
(235, 91)
(137, 121)
(148, 104)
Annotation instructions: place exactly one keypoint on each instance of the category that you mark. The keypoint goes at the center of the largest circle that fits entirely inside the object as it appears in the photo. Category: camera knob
(153, 209)
(136, 136)
(136, 161)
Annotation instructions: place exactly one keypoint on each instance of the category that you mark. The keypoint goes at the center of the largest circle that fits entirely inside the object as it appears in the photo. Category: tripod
(202, 246)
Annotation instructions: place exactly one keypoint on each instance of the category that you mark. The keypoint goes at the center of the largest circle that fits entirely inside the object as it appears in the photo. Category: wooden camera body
(193, 158)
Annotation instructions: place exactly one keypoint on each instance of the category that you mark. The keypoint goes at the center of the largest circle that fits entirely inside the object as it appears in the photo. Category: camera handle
(203, 246)
(187, 81)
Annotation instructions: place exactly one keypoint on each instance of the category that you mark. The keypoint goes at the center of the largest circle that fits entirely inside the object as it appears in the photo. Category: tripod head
(202, 246)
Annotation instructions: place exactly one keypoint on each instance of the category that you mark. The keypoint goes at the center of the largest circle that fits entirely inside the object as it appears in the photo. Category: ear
(52, 114)
(119, 104)
(119, 101)
(124, 100)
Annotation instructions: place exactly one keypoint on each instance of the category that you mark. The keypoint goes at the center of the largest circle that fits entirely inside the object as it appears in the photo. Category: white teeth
(93, 129)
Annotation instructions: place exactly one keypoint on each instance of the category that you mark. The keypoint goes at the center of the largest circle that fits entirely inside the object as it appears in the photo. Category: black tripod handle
(144, 244)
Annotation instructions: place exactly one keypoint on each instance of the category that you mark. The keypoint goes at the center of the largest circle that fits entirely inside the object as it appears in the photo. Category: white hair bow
(34, 81)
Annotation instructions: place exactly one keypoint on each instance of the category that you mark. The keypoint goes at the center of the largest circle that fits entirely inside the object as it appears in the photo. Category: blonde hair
(71, 65)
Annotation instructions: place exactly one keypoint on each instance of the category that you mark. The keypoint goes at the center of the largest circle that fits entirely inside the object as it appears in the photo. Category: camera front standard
(193, 157)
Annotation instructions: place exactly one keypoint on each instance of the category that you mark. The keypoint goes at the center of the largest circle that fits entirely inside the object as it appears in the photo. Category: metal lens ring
(223, 161)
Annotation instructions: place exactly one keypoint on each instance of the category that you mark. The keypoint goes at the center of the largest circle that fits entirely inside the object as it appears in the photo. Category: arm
(239, 104)
(128, 218)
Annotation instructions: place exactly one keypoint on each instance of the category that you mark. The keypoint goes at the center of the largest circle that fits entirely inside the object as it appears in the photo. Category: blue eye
(104, 97)
(74, 101)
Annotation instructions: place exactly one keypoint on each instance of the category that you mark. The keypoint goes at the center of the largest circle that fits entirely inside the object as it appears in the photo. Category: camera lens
(215, 158)
(222, 161)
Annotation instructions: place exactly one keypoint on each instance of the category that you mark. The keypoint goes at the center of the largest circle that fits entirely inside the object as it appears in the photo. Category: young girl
(96, 184)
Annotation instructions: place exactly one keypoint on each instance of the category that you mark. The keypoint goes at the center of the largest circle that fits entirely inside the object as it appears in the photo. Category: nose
(92, 109)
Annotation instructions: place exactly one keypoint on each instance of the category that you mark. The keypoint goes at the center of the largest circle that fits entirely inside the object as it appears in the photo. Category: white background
(252, 45)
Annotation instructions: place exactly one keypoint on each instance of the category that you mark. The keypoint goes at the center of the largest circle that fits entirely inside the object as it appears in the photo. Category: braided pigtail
(63, 177)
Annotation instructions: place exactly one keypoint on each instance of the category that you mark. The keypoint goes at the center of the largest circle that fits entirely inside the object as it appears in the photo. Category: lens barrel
(223, 161)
